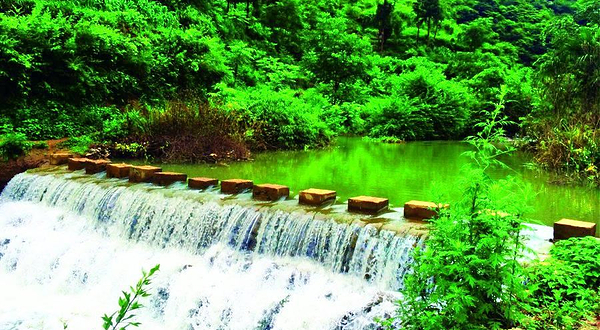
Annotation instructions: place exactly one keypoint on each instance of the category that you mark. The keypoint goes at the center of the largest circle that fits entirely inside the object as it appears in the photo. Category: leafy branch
(122, 318)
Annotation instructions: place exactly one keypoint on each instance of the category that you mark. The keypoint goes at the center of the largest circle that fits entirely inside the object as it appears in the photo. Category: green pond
(400, 172)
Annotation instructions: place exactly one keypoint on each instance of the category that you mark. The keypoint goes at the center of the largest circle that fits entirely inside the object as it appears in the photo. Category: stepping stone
(368, 204)
(60, 158)
(75, 164)
(94, 166)
(235, 186)
(270, 192)
(117, 170)
(202, 183)
(142, 173)
(422, 210)
(167, 178)
(567, 228)
(316, 197)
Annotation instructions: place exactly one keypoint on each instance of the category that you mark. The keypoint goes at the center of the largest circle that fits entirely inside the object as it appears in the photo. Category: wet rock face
(422, 210)
(567, 228)
(167, 178)
(316, 197)
(202, 183)
(235, 186)
(117, 170)
(270, 192)
(368, 204)
(143, 173)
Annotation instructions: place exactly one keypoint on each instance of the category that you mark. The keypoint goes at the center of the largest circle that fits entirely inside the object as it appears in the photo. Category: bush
(183, 131)
(13, 145)
(569, 148)
(79, 144)
(564, 288)
(468, 274)
(422, 105)
(288, 119)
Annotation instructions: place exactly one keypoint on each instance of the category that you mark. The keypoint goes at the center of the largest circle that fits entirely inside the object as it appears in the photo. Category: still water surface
(400, 172)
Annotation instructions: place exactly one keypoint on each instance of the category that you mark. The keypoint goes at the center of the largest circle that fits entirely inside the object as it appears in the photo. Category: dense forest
(182, 80)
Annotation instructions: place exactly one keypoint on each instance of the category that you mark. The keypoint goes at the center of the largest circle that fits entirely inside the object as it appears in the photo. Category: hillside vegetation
(185, 79)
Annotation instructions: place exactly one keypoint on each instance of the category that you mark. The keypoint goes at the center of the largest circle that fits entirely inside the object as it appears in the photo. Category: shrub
(564, 288)
(79, 144)
(287, 119)
(13, 145)
(468, 275)
(183, 131)
(422, 105)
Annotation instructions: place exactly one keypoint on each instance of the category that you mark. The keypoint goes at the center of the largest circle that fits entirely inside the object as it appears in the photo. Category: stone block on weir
(167, 178)
(202, 183)
(235, 186)
(117, 170)
(142, 173)
(368, 204)
(567, 228)
(316, 197)
(75, 164)
(60, 158)
(94, 166)
(270, 192)
(422, 210)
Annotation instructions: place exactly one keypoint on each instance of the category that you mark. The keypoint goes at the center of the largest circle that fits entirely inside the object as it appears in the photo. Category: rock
(567, 228)
(202, 183)
(235, 186)
(167, 178)
(316, 197)
(60, 158)
(75, 164)
(422, 210)
(142, 173)
(96, 166)
(368, 204)
(270, 192)
(117, 170)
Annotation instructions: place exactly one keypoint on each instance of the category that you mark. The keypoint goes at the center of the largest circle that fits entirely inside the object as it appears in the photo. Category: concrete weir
(270, 192)
(60, 158)
(422, 210)
(368, 204)
(142, 173)
(76, 164)
(167, 178)
(360, 210)
(235, 186)
(317, 197)
(117, 170)
(567, 228)
(202, 183)
(96, 166)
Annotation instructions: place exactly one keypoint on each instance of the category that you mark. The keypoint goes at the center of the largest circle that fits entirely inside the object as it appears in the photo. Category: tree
(337, 56)
(430, 12)
(383, 18)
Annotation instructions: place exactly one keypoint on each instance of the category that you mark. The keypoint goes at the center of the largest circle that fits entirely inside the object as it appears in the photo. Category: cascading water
(69, 243)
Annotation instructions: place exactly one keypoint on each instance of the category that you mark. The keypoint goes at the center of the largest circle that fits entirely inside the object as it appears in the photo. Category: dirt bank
(35, 158)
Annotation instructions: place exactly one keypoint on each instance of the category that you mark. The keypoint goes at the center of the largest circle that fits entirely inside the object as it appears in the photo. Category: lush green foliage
(564, 290)
(468, 275)
(299, 72)
(123, 318)
(13, 145)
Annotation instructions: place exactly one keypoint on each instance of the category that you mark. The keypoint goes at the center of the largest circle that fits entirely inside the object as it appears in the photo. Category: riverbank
(34, 158)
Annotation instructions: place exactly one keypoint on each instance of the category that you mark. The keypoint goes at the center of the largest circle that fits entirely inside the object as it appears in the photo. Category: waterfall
(69, 243)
